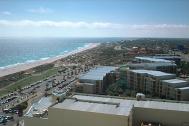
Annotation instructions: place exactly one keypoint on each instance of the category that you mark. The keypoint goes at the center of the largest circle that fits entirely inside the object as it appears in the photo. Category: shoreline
(30, 65)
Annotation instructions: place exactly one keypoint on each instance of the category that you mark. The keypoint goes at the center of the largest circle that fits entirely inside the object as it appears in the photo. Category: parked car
(2, 120)
(6, 110)
(9, 117)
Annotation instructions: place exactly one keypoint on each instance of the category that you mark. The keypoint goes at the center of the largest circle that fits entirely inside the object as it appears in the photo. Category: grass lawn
(28, 80)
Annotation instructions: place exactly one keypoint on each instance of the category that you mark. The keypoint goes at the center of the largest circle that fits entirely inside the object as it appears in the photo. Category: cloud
(40, 10)
(60, 24)
(158, 30)
(82, 24)
(5, 13)
(157, 26)
(101, 28)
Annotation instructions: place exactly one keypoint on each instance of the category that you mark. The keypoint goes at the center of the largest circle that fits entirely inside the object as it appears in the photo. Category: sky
(94, 18)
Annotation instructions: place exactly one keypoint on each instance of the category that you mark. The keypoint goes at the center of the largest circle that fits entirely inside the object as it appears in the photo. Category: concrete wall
(89, 88)
(98, 83)
(62, 117)
(166, 117)
(87, 81)
(184, 95)
(32, 121)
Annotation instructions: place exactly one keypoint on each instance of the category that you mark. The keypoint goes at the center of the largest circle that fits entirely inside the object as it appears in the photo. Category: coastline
(30, 65)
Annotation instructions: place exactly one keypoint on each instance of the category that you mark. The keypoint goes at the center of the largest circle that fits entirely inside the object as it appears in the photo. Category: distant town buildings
(92, 110)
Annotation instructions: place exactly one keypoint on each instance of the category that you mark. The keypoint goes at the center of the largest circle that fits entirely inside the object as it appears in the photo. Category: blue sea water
(15, 51)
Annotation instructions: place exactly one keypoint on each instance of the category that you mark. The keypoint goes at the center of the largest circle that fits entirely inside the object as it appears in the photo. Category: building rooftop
(166, 54)
(152, 72)
(162, 105)
(97, 73)
(151, 59)
(184, 88)
(40, 106)
(97, 105)
(151, 65)
(167, 57)
(176, 82)
(108, 105)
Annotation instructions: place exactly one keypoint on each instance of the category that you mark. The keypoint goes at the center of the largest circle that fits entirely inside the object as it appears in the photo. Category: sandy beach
(26, 66)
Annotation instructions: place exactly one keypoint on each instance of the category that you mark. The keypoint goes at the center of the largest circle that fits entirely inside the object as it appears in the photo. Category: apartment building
(160, 66)
(169, 87)
(146, 81)
(98, 110)
(157, 83)
(97, 79)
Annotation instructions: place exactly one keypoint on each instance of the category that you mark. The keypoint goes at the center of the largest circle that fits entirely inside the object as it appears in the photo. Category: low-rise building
(93, 110)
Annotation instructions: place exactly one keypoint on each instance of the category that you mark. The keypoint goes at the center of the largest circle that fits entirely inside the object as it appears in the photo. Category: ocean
(14, 51)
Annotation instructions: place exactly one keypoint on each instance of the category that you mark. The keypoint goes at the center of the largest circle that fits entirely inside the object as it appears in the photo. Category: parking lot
(59, 81)
(9, 117)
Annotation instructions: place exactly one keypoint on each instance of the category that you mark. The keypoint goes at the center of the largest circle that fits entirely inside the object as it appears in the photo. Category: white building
(92, 110)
